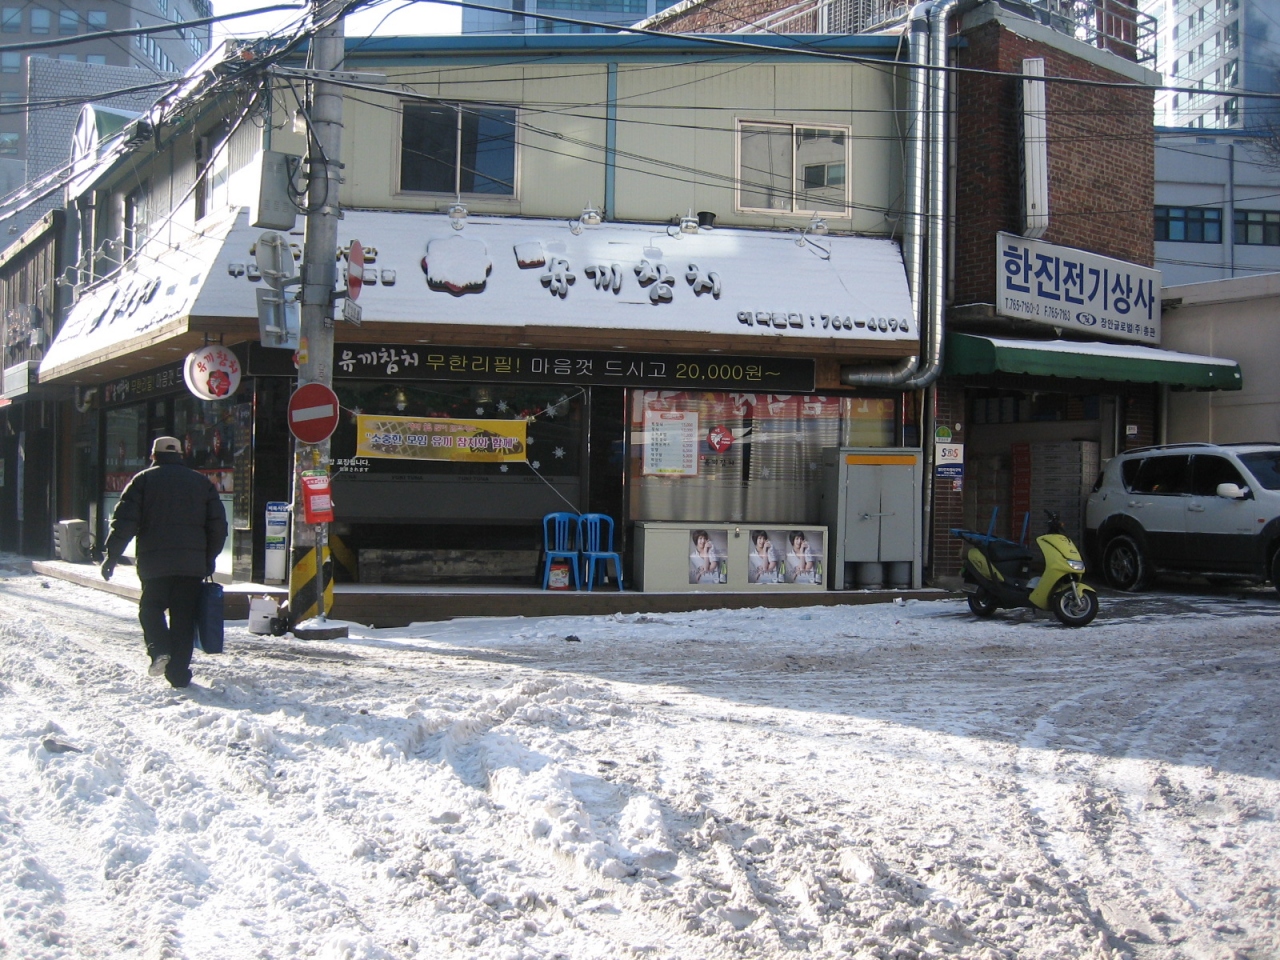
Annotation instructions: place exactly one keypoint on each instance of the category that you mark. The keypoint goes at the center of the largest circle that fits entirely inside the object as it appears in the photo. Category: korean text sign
(439, 438)
(1077, 290)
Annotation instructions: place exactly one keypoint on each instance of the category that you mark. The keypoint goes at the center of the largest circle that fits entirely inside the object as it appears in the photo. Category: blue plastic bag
(209, 617)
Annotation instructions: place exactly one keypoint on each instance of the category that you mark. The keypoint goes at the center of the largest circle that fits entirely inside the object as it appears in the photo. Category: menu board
(671, 443)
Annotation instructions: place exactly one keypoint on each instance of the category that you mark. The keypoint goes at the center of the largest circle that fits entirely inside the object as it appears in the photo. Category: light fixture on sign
(816, 227)
(590, 217)
(401, 401)
(682, 225)
(457, 215)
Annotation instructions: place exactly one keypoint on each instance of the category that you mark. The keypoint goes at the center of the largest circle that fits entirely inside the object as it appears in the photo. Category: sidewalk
(387, 605)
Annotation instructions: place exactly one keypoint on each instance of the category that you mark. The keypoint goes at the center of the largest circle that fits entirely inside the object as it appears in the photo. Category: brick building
(1045, 198)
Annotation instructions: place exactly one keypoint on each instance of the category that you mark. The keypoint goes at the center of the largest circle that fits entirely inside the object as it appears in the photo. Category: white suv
(1189, 507)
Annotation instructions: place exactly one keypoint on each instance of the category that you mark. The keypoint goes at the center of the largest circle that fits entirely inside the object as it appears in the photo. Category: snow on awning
(148, 300)
(506, 272)
(1122, 363)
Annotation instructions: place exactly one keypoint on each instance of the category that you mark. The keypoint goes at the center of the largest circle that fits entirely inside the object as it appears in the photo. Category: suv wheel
(1124, 565)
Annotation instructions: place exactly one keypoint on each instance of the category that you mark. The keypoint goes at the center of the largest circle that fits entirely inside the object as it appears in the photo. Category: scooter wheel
(982, 604)
(1073, 612)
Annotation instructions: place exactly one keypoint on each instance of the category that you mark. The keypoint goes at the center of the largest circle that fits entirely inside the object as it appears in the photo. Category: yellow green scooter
(1002, 574)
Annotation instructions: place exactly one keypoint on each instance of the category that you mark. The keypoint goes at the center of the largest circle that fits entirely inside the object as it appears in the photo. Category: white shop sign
(1076, 290)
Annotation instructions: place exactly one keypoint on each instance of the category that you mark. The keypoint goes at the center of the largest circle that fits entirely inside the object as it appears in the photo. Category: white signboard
(670, 443)
(1076, 290)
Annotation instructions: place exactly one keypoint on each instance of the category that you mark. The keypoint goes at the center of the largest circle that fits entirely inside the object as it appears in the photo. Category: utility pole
(310, 586)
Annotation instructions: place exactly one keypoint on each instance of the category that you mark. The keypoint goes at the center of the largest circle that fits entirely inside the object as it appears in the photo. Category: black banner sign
(141, 386)
(522, 365)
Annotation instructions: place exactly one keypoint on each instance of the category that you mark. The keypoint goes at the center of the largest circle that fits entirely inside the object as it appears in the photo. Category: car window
(1265, 466)
(1167, 474)
(1209, 471)
(1129, 473)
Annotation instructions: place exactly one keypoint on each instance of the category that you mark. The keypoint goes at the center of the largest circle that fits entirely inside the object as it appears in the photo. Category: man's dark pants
(174, 636)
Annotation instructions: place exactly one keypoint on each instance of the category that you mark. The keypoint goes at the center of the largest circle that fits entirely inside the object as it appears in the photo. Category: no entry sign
(313, 413)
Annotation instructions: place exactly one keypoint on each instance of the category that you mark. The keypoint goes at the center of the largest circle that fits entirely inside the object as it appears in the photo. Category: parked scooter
(999, 573)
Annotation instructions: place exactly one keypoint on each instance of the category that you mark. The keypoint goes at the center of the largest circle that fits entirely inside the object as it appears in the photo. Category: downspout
(925, 224)
(611, 141)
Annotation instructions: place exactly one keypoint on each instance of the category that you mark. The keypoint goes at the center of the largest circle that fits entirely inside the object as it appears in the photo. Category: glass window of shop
(423, 490)
(207, 431)
(128, 445)
(730, 457)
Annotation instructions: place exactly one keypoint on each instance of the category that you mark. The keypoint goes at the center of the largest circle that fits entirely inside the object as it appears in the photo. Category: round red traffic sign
(313, 413)
(355, 270)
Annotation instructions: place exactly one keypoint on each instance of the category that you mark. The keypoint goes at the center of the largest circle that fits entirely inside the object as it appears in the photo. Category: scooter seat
(1006, 551)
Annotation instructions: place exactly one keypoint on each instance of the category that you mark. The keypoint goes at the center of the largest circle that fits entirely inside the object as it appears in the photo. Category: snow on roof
(147, 295)
(520, 272)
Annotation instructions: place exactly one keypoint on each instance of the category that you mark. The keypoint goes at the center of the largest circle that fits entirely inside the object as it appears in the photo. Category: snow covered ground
(892, 781)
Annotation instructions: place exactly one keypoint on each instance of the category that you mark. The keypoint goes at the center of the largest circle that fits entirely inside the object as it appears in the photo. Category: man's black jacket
(177, 517)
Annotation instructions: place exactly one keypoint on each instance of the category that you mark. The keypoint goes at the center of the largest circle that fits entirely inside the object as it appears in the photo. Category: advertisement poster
(949, 460)
(437, 438)
(671, 443)
(800, 555)
(708, 554)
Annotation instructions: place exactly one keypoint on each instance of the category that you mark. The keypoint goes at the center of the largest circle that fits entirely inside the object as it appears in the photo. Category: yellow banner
(439, 438)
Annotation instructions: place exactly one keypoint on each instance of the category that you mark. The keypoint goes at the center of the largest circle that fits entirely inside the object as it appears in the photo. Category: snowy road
(893, 781)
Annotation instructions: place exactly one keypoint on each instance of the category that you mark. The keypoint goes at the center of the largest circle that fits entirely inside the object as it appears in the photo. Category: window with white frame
(41, 20)
(68, 22)
(11, 19)
(459, 151)
(790, 168)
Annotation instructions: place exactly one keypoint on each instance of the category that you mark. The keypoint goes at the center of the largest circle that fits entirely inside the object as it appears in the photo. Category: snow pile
(889, 781)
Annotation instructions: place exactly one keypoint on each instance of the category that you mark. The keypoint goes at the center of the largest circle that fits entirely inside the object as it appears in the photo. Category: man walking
(178, 519)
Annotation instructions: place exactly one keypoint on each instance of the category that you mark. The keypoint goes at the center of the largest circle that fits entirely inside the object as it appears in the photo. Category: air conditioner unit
(71, 540)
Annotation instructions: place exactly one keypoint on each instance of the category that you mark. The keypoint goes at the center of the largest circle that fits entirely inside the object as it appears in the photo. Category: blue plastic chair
(595, 542)
(559, 541)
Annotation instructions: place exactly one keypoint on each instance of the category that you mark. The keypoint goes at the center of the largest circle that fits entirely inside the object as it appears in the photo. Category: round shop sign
(212, 372)
(720, 439)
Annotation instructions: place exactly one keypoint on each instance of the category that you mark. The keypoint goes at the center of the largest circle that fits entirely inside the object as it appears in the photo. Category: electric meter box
(871, 505)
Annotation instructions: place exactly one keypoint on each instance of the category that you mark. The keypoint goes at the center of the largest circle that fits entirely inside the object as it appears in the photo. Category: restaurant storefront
(653, 376)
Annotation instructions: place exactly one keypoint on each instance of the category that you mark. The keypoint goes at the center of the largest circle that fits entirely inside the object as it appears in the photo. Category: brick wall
(719, 16)
(948, 504)
(1101, 159)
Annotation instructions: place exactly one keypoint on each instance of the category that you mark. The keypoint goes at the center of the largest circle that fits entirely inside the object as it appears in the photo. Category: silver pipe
(925, 220)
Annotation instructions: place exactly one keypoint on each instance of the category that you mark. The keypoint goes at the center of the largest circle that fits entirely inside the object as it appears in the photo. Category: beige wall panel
(1241, 331)
(658, 120)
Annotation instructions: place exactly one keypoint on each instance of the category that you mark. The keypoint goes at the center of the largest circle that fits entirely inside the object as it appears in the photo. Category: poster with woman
(708, 551)
(801, 555)
(764, 563)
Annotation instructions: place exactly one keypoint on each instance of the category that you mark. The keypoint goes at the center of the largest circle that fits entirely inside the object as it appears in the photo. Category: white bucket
(261, 612)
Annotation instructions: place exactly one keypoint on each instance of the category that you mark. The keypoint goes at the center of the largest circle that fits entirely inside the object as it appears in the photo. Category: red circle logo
(720, 439)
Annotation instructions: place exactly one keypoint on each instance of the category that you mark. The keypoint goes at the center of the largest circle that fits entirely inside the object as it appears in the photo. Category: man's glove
(108, 567)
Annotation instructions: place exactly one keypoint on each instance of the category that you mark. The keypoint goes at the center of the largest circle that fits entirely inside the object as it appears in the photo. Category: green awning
(970, 355)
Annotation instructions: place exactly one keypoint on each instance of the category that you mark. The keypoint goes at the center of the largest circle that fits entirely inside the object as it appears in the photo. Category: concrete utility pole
(310, 588)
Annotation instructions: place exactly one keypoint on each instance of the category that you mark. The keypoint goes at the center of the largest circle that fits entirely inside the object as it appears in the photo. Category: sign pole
(307, 578)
